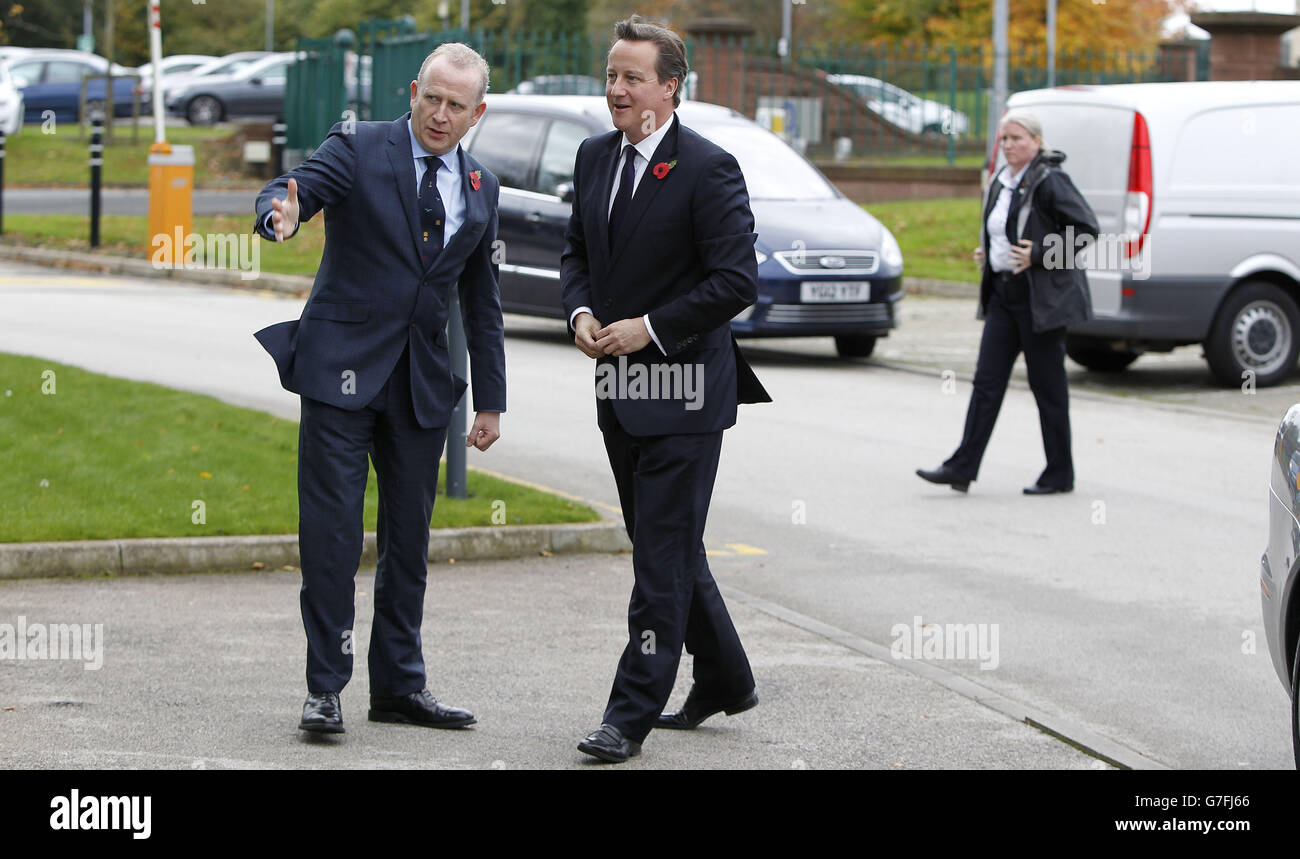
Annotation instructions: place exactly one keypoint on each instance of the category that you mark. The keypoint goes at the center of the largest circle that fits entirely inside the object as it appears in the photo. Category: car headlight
(744, 314)
(890, 253)
(760, 256)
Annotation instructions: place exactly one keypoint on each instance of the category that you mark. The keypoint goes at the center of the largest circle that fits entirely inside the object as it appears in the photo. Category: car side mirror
(564, 191)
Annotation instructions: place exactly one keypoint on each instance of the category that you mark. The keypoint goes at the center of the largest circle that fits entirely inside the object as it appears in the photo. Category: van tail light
(1138, 200)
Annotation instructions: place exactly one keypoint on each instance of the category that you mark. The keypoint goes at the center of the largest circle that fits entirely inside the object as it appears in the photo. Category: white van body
(1220, 262)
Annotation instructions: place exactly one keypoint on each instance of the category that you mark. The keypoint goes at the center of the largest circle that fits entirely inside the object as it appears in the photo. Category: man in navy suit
(408, 217)
(659, 258)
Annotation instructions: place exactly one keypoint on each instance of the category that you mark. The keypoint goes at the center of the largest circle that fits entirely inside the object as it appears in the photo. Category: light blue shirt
(449, 184)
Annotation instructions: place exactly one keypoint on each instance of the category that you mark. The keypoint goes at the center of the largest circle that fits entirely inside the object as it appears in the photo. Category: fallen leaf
(258, 565)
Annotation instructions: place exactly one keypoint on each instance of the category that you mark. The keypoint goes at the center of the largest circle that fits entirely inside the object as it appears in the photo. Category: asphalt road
(1128, 609)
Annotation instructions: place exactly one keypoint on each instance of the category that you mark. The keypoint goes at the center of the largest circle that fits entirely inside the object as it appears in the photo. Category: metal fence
(315, 89)
(830, 100)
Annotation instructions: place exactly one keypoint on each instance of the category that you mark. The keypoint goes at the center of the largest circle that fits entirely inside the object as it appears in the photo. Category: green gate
(316, 91)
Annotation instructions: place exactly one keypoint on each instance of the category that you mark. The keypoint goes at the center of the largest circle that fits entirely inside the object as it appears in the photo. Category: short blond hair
(462, 56)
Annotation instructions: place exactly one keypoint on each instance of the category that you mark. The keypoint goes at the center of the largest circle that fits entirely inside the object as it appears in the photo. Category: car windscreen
(773, 171)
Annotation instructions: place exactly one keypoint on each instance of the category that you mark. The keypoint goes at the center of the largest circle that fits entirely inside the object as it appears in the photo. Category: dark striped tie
(432, 213)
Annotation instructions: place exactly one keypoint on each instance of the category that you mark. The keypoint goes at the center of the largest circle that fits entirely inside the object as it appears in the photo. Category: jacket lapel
(598, 193)
(646, 191)
(403, 162)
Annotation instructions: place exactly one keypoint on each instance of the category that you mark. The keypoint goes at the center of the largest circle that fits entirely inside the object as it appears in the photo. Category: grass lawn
(62, 158)
(101, 458)
(128, 235)
(937, 236)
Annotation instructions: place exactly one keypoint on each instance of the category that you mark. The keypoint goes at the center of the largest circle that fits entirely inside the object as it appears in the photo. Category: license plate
(812, 291)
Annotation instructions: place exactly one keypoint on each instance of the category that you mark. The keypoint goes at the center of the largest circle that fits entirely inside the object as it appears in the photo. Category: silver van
(1196, 187)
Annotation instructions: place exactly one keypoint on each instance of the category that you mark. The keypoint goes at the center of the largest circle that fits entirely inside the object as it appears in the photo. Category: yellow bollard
(171, 202)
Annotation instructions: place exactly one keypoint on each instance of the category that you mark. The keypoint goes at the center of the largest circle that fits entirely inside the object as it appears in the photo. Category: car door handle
(533, 217)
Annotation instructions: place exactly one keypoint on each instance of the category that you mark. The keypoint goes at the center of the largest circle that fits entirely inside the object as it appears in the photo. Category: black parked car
(825, 266)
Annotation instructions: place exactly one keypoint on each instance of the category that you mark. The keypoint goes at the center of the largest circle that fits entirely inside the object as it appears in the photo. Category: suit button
(609, 302)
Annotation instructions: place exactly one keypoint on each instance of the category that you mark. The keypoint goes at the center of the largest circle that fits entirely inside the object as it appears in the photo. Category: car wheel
(855, 345)
(203, 110)
(1256, 332)
(1096, 355)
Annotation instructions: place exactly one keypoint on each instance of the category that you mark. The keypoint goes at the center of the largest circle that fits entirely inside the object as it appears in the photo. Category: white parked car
(11, 104)
(1202, 184)
(904, 109)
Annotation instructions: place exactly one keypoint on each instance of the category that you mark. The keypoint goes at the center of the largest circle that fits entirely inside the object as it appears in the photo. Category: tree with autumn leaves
(223, 26)
(1094, 25)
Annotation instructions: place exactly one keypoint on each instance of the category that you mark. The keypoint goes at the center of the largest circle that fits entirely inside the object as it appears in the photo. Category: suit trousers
(1008, 330)
(665, 484)
(333, 446)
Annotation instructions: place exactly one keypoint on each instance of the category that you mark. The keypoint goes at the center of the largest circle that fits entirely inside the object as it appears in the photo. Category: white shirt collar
(646, 148)
(1009, 179)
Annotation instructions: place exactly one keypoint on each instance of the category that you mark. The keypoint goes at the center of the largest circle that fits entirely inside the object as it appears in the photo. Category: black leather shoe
(609, 744)
(944, 474)
(1039, 489)
(321, 713)
(418, 708)
(696, 710)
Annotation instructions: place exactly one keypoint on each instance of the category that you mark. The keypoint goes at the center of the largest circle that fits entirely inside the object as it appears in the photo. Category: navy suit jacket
(373, 296)
(684, 255)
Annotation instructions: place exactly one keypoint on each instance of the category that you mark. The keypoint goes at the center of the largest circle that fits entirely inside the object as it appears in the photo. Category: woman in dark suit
(1030, 290)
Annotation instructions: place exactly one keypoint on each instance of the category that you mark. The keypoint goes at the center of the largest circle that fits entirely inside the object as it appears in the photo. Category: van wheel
(1096, 355)
(1255, 332)
(855, 346)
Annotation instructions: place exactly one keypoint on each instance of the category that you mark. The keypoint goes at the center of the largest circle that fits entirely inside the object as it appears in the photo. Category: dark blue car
(825, 266)
(51, 80)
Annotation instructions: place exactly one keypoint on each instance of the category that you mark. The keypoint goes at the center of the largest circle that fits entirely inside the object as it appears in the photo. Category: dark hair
(671, 62)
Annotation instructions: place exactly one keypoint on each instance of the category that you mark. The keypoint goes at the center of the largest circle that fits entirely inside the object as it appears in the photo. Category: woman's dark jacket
(1058, 290)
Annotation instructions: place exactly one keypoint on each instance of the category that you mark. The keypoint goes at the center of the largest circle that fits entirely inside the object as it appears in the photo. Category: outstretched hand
(284, 213)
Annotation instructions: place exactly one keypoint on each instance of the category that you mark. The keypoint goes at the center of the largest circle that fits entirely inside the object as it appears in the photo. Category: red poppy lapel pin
(661, 169)
(475, 179)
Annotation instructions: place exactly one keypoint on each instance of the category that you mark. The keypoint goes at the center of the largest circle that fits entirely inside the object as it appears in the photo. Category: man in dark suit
(409, 215)
(660, 246)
